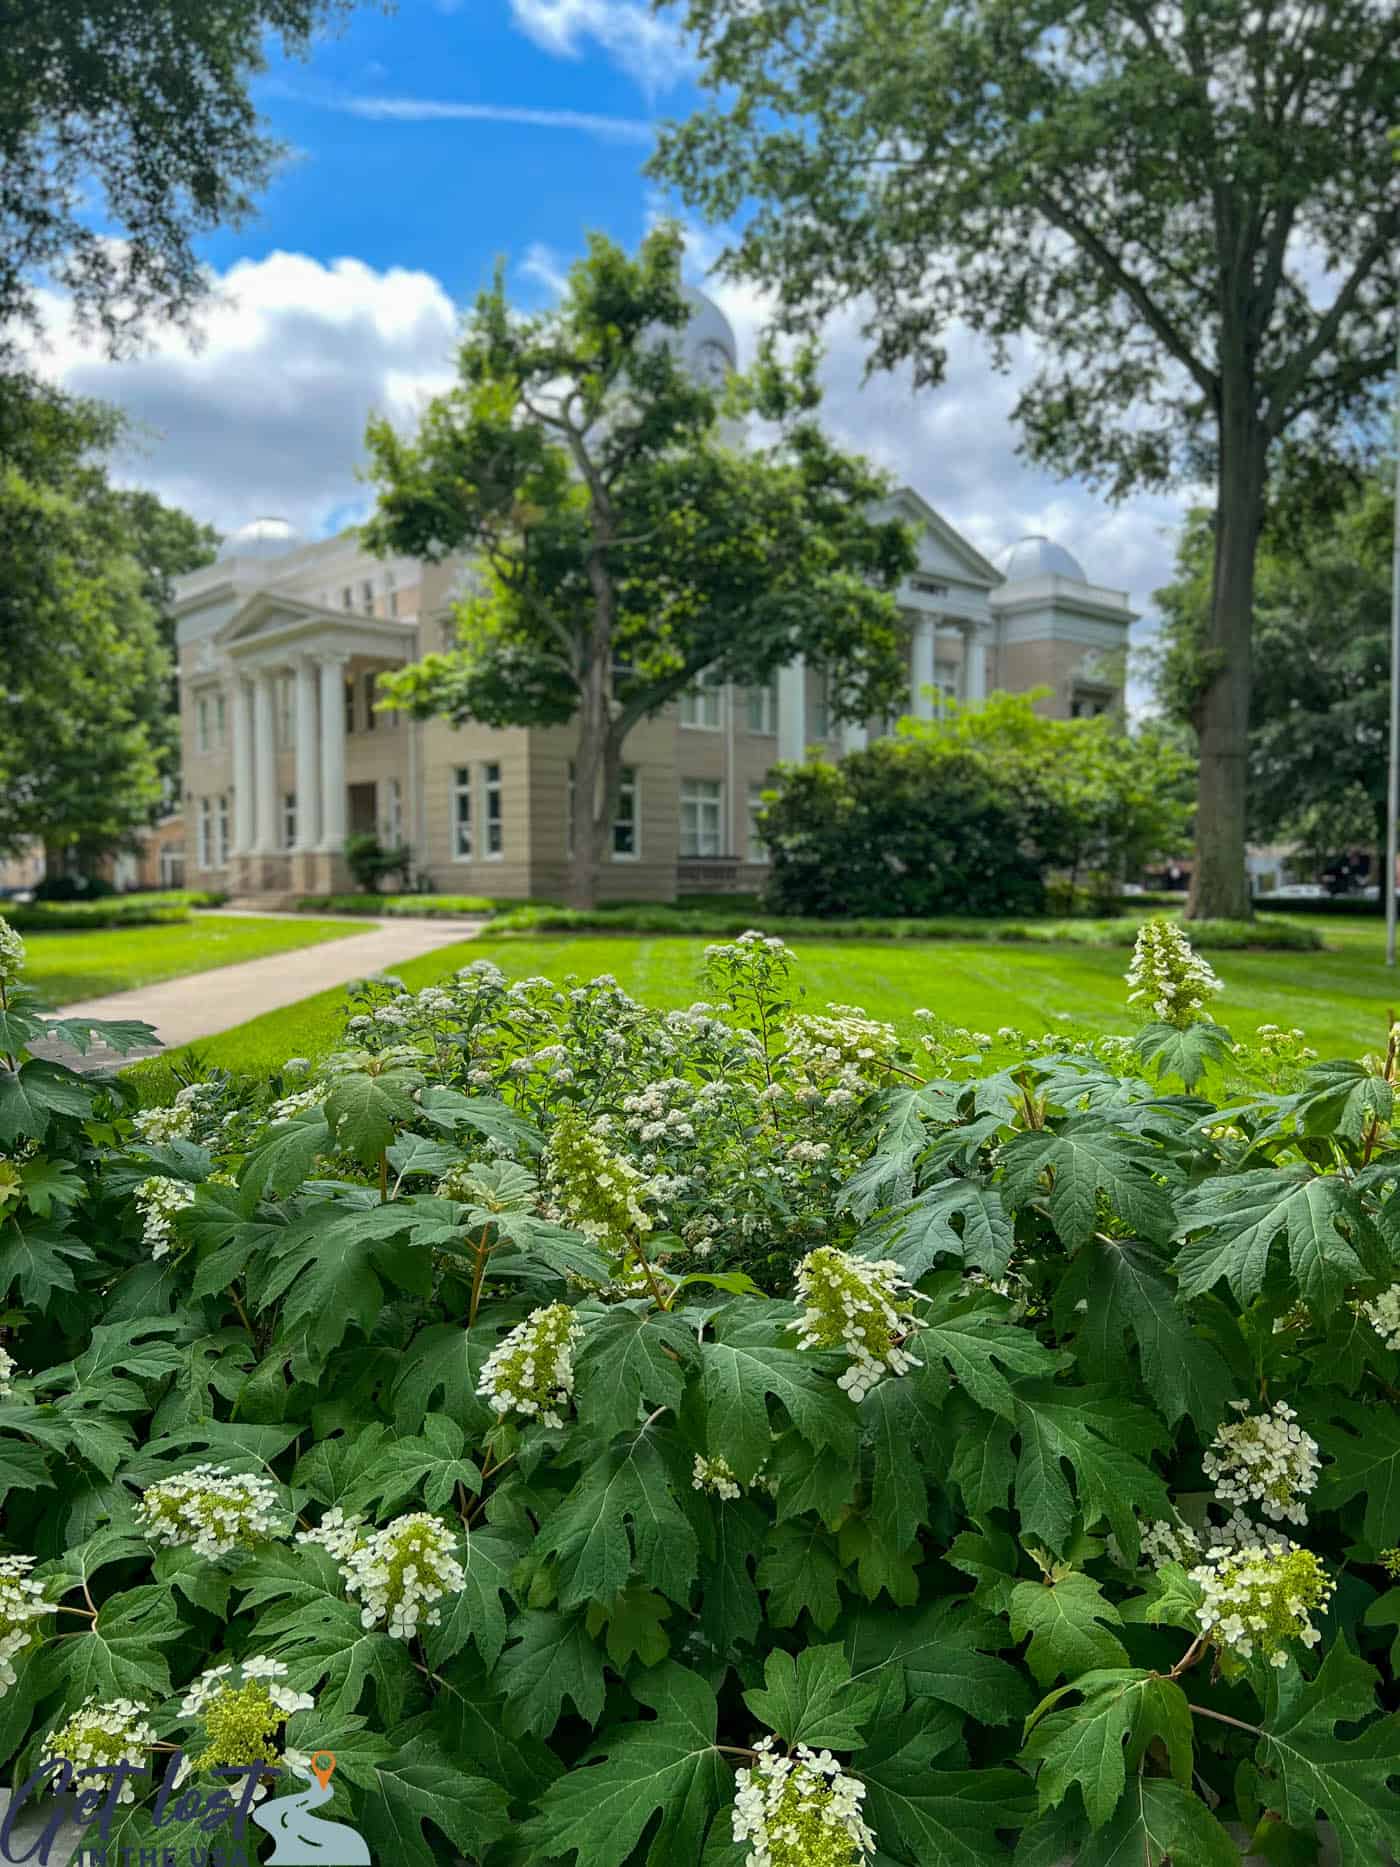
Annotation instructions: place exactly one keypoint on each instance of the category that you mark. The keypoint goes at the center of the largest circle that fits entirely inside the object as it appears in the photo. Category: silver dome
(1038, 556)
(262, 538)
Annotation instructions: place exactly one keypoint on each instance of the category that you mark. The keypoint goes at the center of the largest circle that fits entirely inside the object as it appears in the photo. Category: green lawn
(66, 967)
(1339, 998)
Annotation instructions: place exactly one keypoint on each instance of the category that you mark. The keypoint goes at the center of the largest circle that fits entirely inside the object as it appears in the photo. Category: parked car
(1296, 891)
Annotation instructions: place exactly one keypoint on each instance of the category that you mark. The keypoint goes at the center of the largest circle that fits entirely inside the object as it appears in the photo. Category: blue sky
(424, 144)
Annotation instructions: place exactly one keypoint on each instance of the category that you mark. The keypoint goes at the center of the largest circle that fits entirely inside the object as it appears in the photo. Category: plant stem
(1189, 1658)
(1203, 1711)
(383, 1176)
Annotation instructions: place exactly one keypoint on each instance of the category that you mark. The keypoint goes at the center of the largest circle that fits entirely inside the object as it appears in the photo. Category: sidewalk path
(203, 1003)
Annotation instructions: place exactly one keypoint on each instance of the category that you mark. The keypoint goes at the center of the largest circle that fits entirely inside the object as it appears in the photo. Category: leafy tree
(622, 550)
(1319, 712)
(1190, 210)
(129, 118)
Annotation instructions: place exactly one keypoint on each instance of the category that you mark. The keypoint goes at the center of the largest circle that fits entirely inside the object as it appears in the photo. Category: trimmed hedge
(90, 916)
(426, 907)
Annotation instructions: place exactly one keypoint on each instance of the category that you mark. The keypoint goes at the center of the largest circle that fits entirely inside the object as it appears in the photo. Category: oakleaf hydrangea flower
(101, 1734)
(800, 1811)
(11, 954)
(22, 1607)
(1169, 975)
(1383, 1314)
(853, 1304)
(159, 1199)
(298, 1102)
(1163, 1542)
(1259, 1599)
(211, 1510)
(240, 1706)
(532, 1371)
(400, 1571)
(189, 1111)
(597, 1191)
(1264, 1459)
(7, 1369)
(716, 1476)
(336, 1532)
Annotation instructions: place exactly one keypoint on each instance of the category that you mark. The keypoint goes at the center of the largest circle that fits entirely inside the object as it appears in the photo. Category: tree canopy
(1188, 209)
(621, 549)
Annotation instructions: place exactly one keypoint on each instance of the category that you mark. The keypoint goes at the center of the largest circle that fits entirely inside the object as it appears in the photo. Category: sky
(424, 145)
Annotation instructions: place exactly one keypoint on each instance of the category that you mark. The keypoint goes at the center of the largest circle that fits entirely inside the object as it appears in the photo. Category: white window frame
(201, 723)
(492, 812)
(367, 595)
(370, 681)
(286, 710)
(393, 815)
(289, 819)
(755, 851)
(220, 718)
(708, 810)
(204, 826)
(702, 709)
(463, 826)
(222, 815)
(762, 709)
(630, 788)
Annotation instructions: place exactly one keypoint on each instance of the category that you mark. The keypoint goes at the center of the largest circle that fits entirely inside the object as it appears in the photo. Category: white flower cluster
(800, 1811)
(298, 1102)
(159, 1199)
(1262, 1598)
(7, 1369)
(400, 1571)
(336, 1532)
(532, 1371)
(22, 1605)
(661, 1113)
(1169, 1542)
(853, 1304)
(211, 1510)
(219, 1680)
(1383, 1314)
(11, 953)
(716, 1476)
(101, 1734)
(1265, 1459)
(1169, 975)
(179, 1122)
(842, 1053)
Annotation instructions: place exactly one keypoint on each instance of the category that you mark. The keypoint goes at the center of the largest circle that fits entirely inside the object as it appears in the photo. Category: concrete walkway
(203, 1003)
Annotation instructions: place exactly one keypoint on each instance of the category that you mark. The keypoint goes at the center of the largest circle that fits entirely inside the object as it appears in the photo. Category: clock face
(711, 364)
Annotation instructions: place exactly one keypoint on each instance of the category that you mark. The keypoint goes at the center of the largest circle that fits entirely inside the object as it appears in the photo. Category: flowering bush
(740, 1434)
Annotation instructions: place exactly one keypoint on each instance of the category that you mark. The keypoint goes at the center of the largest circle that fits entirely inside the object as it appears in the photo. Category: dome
(705, 344)
(262, 538)
(1038, 556)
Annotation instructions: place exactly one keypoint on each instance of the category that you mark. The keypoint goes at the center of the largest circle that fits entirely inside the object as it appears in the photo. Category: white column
(308, 757)
(974, 664)
(792, 712)
(265, 762)
(333, 753)
(922, 669)
(244, 824)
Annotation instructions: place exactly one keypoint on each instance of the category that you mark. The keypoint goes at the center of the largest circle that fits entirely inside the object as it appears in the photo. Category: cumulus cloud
(649, 48)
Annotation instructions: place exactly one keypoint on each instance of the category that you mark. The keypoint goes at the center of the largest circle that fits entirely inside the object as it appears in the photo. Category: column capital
(329, 657)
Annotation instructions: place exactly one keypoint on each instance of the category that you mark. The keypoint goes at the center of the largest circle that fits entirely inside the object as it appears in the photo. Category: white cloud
(439, 110)
(649, 48)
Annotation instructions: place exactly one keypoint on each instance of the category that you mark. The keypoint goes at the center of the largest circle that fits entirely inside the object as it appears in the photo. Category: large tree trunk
(1220, 884)
(592, 806)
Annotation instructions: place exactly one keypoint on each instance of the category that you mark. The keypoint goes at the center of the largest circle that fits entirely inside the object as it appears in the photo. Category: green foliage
(981, 1586)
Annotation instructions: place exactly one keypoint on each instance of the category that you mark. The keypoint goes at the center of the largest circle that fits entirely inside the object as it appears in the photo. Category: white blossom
(101, 1734)
(158, 1199)
(211, 1510)
(401, 1571)
(532, 1371)
(1169, 975)
(22, 1606)
(1261, 1598)
(1383, 1314)
(800, 1811)
(853, 1304)
(336, 1532)
(11, 953)
(1264, 1459)
(715, 1475)
(217, 1680)
(7, 1369)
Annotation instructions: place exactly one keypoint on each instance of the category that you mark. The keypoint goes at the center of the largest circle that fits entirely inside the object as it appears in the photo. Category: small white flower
(22, 1608)
(1261, 1597)
(796, 1810)
(401, 1572)
(1383, 1314)
(158, 1199)
(211, 1510)
(1265, 1459)
(11, 953)
(853, 1304)
(1167, 973)
(532, 1371)
(101, 1734)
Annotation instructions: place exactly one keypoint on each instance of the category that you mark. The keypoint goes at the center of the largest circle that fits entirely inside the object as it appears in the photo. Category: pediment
(943, 551)
(266, 614)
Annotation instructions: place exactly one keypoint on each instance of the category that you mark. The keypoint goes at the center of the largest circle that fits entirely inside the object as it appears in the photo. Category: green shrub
(71, 916)
(426, 907)
(605, 1405)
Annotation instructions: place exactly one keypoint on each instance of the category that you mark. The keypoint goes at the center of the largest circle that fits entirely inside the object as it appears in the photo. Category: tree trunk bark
(1220, 884)
(595, 724)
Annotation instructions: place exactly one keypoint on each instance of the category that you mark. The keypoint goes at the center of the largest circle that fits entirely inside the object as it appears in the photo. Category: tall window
(700, 707)
(286, 700)
(391, 593)
(347, 598)
(763, 708)
(289, 819)
(367, 596)
(371, 717)
(945, 679)
(462, 813)
(349, 705)
(220, 718)
(818, 711)
(203, 833)
(393, 813)
(756, 851)
(223, 837)
(627, 822)
(201, 723)
(491, 786)
(702, 817)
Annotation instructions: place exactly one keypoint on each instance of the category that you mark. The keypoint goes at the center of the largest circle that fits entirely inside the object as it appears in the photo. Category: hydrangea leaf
(632, 1358)
(1070, 1626)
(119, 1655)
(443, 1373)
(895, 1422)
(431, 1464)
(812, 1699)
(881, 1565)
(731, 1541)
(1231, 1223)
(39, 1260)
(22, 1467)
(668, 1765)
(633, 1626)
(621, 1518)
(287, 1155)
(488, 1557)
(1157, 1824)
(930, 1817)
(945, 1651)
(1099, 1438)
(1087, 1162)
(1341, 1096)
(449, 1108)
(32, 1095)
(468, 1717)
(1185, 1053)
(551, 1659)
(927, 1231)
(799, 1571)
(420, 1785)
(968, 1336)
(363, 1113)
(750, 1362)
(1307, 1766)
(1094, 1741)
(1362, 1448)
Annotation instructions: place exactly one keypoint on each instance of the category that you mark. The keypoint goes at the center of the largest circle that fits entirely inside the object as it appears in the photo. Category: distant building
(282, 643)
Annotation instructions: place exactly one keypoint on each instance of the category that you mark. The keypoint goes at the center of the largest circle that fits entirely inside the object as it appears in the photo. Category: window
(818, 710)
(371, 717)
(462, 814)
(286, 697)
(393, 813)
(491, 783)
(626, 830)
(763, 709)
(1088, 706)
(702, 811)
(756, 851)
(223, 842)
(448, 631)
(349, 705)
(945, 680)
(201, 723)
(367, 596)
(289, 819)
(391, 594)
(220, 718)
(347, 598)
(700, 707)
(203, 829)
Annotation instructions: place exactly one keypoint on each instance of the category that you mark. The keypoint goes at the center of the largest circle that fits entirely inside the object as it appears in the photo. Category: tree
(1318, 720)
(1190, 209)
(622, 550)
(85, 724)
(145, 102)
